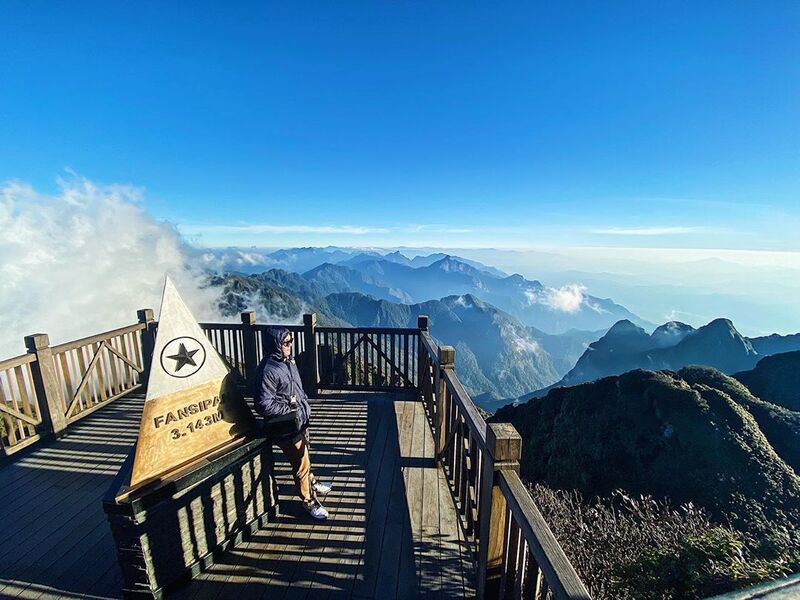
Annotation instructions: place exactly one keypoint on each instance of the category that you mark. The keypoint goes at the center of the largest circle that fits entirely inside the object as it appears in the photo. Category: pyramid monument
(192, 408)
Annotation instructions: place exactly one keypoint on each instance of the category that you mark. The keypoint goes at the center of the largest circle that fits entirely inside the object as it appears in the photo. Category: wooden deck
(393, 529)
(55, 541)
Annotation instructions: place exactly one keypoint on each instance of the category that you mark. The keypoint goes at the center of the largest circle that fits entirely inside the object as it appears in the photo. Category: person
(279, 391)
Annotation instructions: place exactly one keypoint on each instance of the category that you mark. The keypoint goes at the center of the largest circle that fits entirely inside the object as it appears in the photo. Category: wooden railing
(42, 392)
(228, 339)
(241, 345)
(534, 565)
(49, 388)
(19, 403)
(517, 555)
(367, 358)
(96, 370)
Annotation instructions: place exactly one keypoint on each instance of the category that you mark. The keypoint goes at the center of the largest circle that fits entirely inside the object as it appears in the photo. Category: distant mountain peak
(450, 263)
(453, 264)
(398, 256)
(326, 266)
(525, 285)
(624, 327)
(721, 331)
(670, 333)
(392, 276)
(671, 346)
(672, 326)
(465, 300)
(720, 324)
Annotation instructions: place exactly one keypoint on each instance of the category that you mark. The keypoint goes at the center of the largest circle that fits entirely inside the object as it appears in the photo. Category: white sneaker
(316, 510)
(320, 488)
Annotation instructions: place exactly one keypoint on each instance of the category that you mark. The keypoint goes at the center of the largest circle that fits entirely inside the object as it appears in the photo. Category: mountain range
(775, 379)
(671, 346)
(394, 276)
(494, 352)
(496, 356)
(695, 435)
(550, 310)
(300, 260)
(515, 338)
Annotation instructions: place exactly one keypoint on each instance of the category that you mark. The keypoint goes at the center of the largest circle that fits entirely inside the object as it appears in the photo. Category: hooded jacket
(276, 379)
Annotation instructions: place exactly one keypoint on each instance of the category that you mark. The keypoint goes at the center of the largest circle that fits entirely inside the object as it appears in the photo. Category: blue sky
(667, 125)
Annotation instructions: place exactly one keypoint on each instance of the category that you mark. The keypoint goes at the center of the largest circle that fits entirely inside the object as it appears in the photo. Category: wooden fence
(20, 416)
(44, 391)
(517, 554)
(367, 358)
(96, 370)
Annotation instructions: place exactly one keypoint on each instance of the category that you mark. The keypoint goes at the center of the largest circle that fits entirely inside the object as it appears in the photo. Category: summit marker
(192, 408)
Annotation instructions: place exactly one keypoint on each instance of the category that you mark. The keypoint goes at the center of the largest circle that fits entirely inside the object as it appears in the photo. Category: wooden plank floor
(393, 530)
(55, 541)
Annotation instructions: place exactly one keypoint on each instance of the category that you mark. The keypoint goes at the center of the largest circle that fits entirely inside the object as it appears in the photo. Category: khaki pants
(299, 459)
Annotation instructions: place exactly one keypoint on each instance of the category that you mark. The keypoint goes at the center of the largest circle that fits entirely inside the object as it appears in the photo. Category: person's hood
(273, 339)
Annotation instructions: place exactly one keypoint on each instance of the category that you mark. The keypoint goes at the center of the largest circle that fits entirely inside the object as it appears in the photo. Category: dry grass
(624, 547)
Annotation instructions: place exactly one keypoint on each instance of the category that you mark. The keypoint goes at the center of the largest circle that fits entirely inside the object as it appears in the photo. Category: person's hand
(298, 422)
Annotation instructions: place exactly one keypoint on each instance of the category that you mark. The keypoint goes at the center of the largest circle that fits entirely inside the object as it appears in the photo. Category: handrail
(50, 387)
(474, 420)
(547, 553)
(19, 403)
(92, 339)
(10, 363)
(431, 347)
(369, 358)
(210, 325)
(395, 330)
(95, 371)
(517, 554)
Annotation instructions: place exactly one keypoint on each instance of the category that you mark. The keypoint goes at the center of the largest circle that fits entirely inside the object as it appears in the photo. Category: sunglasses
(288, 342)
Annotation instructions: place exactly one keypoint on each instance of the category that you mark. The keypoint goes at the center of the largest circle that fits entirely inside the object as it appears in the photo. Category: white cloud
(84, 260)
(649, 230)
(568, 298)
(596, 307)
(565, 299)
(519, 344)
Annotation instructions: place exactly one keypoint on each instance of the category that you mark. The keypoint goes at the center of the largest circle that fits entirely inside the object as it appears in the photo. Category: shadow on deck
(393, 529)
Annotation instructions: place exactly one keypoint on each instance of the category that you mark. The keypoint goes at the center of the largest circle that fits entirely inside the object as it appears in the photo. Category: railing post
(447, 361)
(52, 407)
(311, 370)
(145, 316)
(422, 325)
(503, 451)
(249, 346)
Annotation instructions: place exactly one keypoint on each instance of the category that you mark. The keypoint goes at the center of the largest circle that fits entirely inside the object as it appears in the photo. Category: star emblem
(183, 357)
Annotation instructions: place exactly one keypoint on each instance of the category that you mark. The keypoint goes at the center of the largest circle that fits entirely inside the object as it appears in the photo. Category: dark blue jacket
(276, 379)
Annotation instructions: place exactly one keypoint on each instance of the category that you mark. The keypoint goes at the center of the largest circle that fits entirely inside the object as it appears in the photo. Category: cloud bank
(83, 260)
